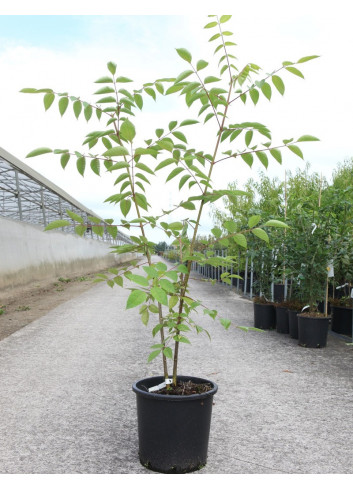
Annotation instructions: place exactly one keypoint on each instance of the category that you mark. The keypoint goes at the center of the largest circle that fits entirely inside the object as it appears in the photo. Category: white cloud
(320, 105)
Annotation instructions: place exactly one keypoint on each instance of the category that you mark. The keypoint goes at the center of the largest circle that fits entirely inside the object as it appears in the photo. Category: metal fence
(27, 196)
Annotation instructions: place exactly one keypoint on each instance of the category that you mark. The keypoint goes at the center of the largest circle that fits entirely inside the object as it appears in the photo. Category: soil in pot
(174, 428)
(312, 330)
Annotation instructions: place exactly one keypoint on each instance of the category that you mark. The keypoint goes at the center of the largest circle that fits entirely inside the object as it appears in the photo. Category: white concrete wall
(27, 254)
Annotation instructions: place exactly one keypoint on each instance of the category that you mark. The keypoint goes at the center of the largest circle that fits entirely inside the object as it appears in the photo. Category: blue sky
(68, 52)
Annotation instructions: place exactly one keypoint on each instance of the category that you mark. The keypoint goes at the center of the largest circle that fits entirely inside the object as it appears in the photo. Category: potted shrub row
(174, 411)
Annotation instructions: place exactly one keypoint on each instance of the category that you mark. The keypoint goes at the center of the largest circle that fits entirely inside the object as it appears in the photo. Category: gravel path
(67, 406)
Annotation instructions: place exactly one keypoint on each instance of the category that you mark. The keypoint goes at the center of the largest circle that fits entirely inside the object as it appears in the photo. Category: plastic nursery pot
(282, 325)
(312, 331)
(264, 316)
(341, 321)
(293, 323)
(173, 430)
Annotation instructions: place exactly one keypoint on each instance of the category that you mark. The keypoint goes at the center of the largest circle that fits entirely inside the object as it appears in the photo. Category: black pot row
(310, 332)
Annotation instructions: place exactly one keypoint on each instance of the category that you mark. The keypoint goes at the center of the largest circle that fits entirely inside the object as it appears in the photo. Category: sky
(67, 49)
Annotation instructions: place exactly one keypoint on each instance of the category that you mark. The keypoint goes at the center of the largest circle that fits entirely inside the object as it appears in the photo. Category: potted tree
(310, 253)
(174, 412)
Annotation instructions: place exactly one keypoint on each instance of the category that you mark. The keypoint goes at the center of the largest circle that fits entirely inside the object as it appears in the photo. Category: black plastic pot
(341, 321)
(312, 331)
(173, 430)
(282, 320)
(293, 323)
(264, 316)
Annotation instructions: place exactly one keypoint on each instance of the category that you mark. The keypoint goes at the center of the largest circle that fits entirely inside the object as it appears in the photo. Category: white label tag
(160, 386)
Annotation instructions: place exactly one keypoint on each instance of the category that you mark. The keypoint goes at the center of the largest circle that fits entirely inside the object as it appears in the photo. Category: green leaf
(188, 205)
(166, 144)
(180, 136)
(182, 269)
(201, 64)
(88, 112)
(225, 18)
(225, 323)
(167, 285)
(81, 165)
(80, 230)
(230, 226)
(307, 58)
(63, 103)
(136, 298)
(216, 36)
(150, 92)
(125, 206)
(162, 267)
(276, 154)
(29, 90)
(184, 54)
(151, 272)
(39, 151)
(211, 79)
(160, 295)
(276, 224)
(48, 100)
(182, 76)
(248, 158)
(183, 180)
(77, 107)
(296, 150)
(266, 90)
(253, 221)
(123, 79)
(95, 166)
(262, 157)
(216, 232)
(260, 233)
(254, 95)
(278, 83)
(306, 137)
(74, 216)
(295, 71)
(116, 151)
(153, 355)
(111, 67)
(105, 79)
(127, 130)
(139, 100)
(188, 122)
(57, 224)
(172, 275)
(145, 168)
(104, 90)
(240, 240)
(138, 279)
(210, 25)
(248, 137)
(172, 125)
(164, 163)
(64, 160)
(167, 352)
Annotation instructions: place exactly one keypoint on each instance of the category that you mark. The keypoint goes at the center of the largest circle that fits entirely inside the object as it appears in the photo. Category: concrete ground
(66, 404)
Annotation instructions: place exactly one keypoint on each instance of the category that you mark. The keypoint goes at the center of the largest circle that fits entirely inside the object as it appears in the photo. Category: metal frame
(27, 196)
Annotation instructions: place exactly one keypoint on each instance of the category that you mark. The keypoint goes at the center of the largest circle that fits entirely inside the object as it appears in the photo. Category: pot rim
(170, 398)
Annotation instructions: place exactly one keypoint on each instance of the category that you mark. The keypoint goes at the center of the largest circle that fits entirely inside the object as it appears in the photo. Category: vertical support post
(238, 280)
(43, 206)
(19, 203)
(251, 275)
(246, 275)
